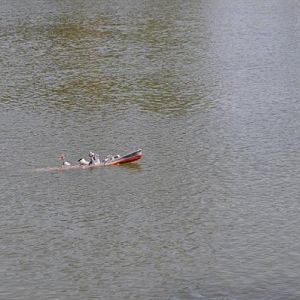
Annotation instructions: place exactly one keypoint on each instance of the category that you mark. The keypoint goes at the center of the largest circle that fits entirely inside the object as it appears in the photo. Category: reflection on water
(209, 90)
(88, 59)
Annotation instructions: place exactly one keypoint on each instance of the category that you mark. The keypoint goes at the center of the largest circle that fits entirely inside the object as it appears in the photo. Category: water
(209, 90)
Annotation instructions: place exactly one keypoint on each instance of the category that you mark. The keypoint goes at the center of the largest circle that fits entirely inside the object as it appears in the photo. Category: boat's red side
(126, 160)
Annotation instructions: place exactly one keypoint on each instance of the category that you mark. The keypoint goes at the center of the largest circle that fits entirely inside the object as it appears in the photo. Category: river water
(210, 90)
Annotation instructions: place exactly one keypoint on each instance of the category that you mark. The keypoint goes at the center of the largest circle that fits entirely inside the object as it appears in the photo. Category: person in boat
(83, 162)
(64, 162)
(94, 159)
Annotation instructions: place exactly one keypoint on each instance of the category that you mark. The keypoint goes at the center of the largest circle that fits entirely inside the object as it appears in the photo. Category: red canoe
(117, 160)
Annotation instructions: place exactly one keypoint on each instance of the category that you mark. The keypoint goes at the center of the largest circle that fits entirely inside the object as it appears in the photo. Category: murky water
(210, 90)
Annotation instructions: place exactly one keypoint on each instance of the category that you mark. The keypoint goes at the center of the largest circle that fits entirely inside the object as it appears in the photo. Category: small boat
(110, 160)
(117, 160)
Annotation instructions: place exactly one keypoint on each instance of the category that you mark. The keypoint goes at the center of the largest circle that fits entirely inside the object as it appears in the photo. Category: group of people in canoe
(109, 160)
(94, 160)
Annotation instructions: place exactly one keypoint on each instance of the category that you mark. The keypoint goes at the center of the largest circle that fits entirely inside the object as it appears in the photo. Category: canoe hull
(131, 157)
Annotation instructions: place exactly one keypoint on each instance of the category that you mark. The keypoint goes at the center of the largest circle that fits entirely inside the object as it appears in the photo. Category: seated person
(94, 159)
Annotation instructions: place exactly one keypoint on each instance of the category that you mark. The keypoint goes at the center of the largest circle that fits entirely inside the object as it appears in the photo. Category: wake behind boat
(95, 161)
